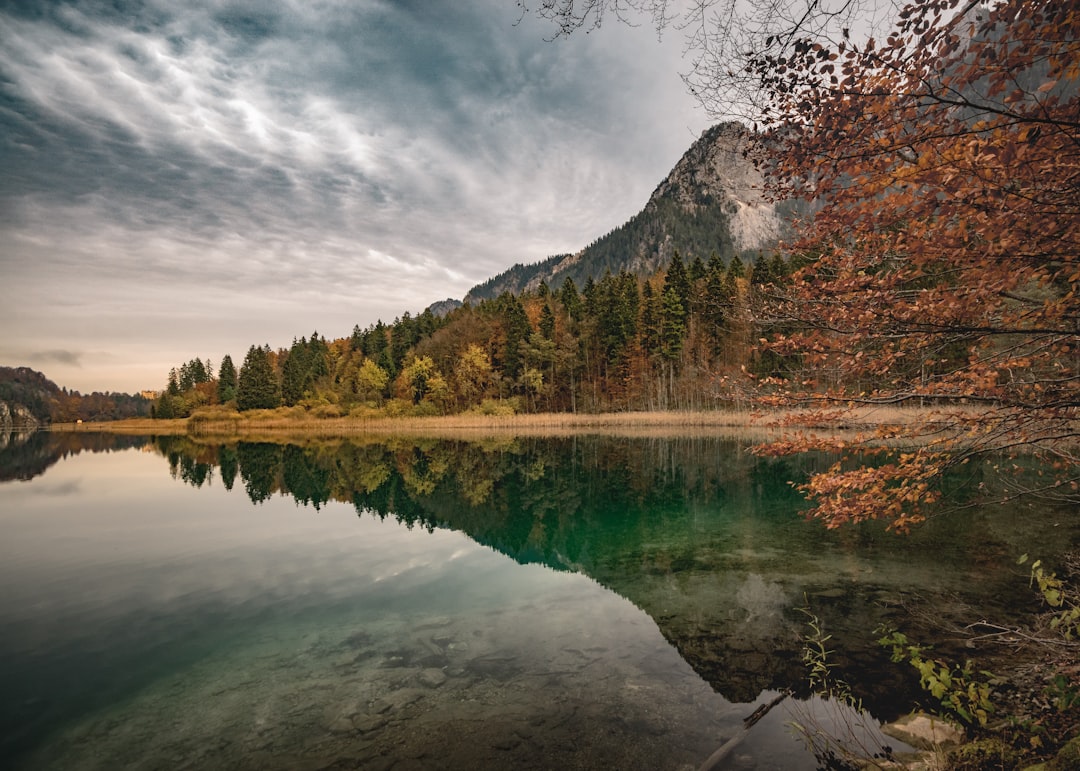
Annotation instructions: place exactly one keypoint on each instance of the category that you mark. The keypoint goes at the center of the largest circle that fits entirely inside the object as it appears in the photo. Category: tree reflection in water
(700, 534)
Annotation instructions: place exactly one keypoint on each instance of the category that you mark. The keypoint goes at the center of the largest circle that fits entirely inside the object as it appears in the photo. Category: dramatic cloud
(187, 179)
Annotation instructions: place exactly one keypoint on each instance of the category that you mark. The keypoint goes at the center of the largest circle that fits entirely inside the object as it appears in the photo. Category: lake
(575, 603)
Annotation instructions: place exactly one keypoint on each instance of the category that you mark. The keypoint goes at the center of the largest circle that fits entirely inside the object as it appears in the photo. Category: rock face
(716, 172)
(16, 417)
(443, 307)
(712, 201)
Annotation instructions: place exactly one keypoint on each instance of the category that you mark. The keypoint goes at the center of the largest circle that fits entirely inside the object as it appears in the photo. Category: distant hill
(28, 399)
(712, 201)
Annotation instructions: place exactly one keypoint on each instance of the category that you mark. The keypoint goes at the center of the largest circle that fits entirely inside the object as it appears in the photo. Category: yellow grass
(216, 422)
(130, 426)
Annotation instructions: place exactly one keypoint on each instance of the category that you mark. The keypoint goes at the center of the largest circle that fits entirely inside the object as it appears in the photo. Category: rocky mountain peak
(718, 170)
(712, 201)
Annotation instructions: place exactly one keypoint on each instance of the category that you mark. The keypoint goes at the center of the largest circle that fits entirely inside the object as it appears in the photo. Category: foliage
(983, 754)
(420, 381)
(962, 691)
(815, 656)
(944, 261)
(839, 742)
(1066, 619)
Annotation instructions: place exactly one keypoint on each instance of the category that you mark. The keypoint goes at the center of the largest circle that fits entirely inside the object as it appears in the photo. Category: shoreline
(763, 423)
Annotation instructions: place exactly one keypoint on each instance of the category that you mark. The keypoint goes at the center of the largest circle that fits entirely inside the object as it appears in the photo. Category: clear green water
(573, 603)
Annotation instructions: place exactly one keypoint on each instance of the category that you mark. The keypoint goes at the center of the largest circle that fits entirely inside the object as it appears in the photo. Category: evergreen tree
(736, 269)
(226, 389)
(650, 320)
(294, 373)
(402, 338)
(164, 407)
(547, 322)
(318, 364)
(257, 385)
(678, 281)
(718, 297)
(376, 343)
(696, 271)
(588, 294)
(518, 329)
(672, 325)
(570, 299)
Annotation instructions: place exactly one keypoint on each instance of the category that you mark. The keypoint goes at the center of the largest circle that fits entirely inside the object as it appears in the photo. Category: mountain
(712, 201)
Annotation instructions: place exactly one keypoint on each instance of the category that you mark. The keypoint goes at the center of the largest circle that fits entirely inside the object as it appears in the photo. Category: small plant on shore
(815, 656)
(1066, 619)
(1064, 694)
(842, 738)
(961, 691)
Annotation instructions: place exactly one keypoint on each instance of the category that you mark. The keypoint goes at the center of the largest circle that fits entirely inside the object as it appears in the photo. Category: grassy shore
(297, 421)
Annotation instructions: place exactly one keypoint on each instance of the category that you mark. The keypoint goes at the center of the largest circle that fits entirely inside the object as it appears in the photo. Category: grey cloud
(367, 157)
(70, 358)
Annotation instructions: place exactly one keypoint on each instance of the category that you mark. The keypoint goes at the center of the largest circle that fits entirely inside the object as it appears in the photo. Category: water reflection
(701, 535)
(155, 622)
(27, 454)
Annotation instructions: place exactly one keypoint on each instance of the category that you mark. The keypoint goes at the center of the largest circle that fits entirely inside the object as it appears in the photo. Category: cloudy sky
(183, 179)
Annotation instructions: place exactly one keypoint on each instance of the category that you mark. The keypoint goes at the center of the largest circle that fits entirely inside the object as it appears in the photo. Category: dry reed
(761, 424)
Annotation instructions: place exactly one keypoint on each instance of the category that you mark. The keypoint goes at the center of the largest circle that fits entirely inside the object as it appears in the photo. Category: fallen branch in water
(748, 722)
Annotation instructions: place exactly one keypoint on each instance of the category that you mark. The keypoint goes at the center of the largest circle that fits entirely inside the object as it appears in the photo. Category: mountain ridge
(713, 200)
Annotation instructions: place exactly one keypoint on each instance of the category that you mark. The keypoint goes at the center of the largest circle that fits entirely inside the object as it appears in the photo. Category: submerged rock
(431, 678)
(368, 723)
(924, 731)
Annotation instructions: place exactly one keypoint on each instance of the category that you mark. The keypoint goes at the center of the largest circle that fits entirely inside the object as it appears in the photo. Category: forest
(676, 340)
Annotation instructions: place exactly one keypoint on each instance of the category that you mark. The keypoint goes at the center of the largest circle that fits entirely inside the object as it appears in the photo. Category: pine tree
(672, 325)
(226, 389)
(257, 386)
(696, 271)
(678, 282)
(518, 329)
(570, 299)
(736, 269)
(294, 373)
(650, 320)
(547, 322)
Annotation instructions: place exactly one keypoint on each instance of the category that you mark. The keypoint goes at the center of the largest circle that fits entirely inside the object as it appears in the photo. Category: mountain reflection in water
(695, 532)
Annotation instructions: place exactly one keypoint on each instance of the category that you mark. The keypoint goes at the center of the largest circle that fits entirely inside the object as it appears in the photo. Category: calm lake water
(582, 602)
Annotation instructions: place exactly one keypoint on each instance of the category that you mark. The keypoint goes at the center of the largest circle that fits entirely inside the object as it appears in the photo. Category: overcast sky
(182, 179)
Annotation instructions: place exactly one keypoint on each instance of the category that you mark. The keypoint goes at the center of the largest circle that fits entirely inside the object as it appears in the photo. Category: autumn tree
(473, 374)
(420, 381)
(945, 260)
(371, 381)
